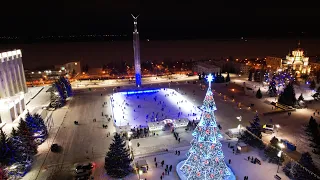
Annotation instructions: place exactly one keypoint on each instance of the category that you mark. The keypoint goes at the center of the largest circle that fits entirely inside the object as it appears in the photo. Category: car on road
(54, 148)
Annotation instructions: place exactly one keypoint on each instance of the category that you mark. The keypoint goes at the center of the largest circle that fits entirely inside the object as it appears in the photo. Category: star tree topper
(210, 79)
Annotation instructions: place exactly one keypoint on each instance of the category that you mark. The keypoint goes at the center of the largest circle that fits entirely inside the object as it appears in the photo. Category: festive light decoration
(205, 157)
(141, 92)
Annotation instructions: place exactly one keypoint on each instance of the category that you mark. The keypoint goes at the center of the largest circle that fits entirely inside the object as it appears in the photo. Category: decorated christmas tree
(205, 157)
(6, 149)
(117, 160)
(57, 96)
(272, 89)
(66, 86)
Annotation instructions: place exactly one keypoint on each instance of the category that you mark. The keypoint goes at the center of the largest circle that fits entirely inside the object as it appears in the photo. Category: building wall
(244, 69)
(11, 74)
(274, 63)
(12, 85)
(206, 68)
(73, 66)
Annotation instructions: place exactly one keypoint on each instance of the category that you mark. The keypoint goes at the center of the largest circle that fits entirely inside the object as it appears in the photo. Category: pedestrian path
(238, 162)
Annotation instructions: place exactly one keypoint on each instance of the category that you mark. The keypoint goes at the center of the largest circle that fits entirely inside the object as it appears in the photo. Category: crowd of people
(136, 114)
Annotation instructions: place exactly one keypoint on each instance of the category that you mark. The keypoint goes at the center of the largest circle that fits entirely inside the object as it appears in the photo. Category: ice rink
(137, 108)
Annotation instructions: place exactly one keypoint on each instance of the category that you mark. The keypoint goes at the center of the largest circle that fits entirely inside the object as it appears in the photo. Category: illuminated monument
(136, 51)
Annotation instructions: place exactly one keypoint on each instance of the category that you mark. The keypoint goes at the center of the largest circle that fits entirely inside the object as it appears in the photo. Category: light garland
(205, 157)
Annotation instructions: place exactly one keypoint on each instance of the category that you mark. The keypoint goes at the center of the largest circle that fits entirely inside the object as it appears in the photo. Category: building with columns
(297, 62)
(12, 86)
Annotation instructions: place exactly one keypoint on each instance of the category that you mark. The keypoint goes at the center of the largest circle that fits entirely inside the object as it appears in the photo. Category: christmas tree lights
(205, 157)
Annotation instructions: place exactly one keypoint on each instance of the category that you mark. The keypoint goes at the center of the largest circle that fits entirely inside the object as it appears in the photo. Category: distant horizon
(101, 37)
(95, 54)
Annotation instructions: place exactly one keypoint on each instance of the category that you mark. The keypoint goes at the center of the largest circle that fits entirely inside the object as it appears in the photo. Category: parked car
(84, 166)
(268, 128)
(82, 173)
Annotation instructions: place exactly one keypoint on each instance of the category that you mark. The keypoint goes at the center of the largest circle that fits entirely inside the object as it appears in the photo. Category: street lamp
(140, 173)
(277, 126)
(239, 127)
(281, 145)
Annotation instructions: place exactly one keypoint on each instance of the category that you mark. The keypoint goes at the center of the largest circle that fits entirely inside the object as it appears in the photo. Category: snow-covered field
(139, 108)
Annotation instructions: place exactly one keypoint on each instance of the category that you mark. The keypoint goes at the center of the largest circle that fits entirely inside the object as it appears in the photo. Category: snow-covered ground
(239, 165)
(88, 141)
(302, 89)
(139, 109)
(32, 92)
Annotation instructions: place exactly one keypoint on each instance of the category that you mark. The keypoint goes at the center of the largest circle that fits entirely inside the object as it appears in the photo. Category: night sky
(159, 19)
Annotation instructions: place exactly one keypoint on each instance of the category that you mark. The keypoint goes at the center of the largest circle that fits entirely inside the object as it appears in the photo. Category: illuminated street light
(281, 145)
(239, 118)
(140, 173)
(277, 127)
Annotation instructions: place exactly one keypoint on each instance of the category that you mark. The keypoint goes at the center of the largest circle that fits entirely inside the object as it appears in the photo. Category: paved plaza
(89, 142)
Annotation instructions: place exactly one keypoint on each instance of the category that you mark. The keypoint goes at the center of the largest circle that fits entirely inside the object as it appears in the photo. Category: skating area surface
(137, 108)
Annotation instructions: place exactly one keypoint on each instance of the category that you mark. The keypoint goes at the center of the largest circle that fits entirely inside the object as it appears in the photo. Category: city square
(85, 96)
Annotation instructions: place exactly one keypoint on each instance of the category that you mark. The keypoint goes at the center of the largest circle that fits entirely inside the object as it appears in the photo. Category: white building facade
(12, 86)
(206, 68)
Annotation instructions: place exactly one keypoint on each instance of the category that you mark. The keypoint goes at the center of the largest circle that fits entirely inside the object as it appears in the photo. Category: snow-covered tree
(57, 96)
(272, 89)
(205, 157)
(117, 160)
(250, 75)
(6, 150)
(289, 169)
(307, 162)
(296, 172)
(300, 97)
(312, 85)
(19, 147)
(259, 94)
(228, 78)
(3, 174)
(272, 150)
(253, 134)
(288, 96)
(66, 86)
(255, 126)
(24, 132)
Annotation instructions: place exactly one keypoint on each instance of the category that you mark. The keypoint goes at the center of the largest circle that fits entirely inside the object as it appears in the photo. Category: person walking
(229, 161)
(155, 159)
(156, 164)
(162, 162)
(170, 168)
(161, 177)
(248, 158)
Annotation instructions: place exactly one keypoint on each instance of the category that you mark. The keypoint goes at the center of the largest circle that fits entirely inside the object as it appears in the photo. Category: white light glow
(172, 101)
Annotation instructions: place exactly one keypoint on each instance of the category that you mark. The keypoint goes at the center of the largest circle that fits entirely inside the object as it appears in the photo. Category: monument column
(136, 51)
